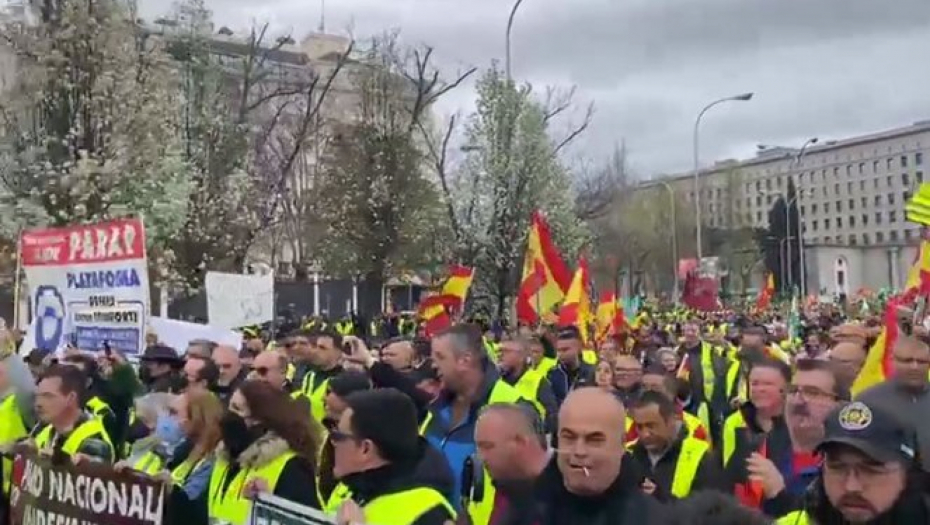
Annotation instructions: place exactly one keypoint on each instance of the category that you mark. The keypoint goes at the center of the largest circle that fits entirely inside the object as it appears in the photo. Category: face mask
(237, 436)
(169, 431)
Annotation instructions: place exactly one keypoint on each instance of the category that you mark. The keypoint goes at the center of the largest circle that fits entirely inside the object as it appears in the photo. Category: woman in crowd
(604, 375)
(198, 415)
(268, 446)
(149, 453)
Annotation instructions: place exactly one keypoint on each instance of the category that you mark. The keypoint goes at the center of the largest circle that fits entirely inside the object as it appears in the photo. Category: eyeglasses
(337, 436)
(810, 393)
(866, 473)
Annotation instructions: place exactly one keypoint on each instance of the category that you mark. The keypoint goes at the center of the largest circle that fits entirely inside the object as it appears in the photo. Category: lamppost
(800, 236)
(674, 226)
(513, 13)
(697, 181)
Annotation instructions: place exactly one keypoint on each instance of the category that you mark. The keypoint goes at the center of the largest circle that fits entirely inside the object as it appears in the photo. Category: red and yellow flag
(766, 294)
(434, 309)
(545, 276)
(878, 363)
(918, 277)
(576, 310)
(609, 317)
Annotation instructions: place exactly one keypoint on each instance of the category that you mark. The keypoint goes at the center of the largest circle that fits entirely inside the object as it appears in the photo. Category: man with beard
(908, 392)
(774, 475)
(868, 475)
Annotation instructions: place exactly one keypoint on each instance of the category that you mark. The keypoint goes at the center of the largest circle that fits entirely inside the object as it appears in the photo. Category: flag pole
(18, 280)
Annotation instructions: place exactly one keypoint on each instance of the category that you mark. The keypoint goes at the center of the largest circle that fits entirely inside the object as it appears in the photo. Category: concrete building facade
(850, 196)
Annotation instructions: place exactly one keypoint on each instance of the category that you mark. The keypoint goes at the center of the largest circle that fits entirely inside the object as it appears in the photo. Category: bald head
(591, 449)
(911, 363)
(227, 361)
(271, 367)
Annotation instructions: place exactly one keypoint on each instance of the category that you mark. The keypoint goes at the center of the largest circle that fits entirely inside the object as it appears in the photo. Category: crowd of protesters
(683, 418)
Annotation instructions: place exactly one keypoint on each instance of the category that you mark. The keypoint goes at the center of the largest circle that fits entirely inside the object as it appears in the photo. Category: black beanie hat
(388, 418)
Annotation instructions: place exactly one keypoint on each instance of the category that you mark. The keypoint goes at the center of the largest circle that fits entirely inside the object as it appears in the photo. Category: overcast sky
(825, 68)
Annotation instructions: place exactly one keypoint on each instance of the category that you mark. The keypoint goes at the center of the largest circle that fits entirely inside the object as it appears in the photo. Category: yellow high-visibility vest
(405, 507)
(689, 459)
(733, 423)
(528, 386)
(184, 471)
(798, 517)
(149, 463)
(545, 365)
(86, 430)
(229, 506)
(316, 395)
(12, 429)
(98, 407)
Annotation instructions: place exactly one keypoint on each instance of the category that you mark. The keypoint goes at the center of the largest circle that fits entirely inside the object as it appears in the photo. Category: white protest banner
(177, 334)
(89, 283)
(235, 300)
(272, 510)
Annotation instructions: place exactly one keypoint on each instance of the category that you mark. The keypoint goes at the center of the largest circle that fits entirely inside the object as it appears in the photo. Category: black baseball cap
(870, 430)
(568, 332)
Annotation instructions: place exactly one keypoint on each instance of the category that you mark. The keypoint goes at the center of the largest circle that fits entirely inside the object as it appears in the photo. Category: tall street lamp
(513, 13)
(799, 238)
(697, 181)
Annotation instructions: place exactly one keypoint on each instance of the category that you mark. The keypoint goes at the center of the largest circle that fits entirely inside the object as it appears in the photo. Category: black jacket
(709, 475)
(912, 507)
(564, 380)
(427, 469)
(624, 502)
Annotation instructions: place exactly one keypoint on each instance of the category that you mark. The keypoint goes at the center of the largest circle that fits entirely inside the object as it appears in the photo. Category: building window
(907, 234)
(892, 216)
(875, 183)
(814, 225)
(874, 166)
(878, 217)
(852, 221)
(758, 185)
(852, 239)
(918, 158)
(826, 224)
(905, 179)
(865, 220)
(889, 164)
(768, 184)
(861, 168)
(920, 177)
(827, 239)
(758, 200)
(879, 237)
(839, 222)
(849, 188)
(852, 204)
(891, 199)
(839, 206)
(889, 181)
(893, 235)
(864, 201)
(801, 210)
(813, 208)
(906, 195)
(878, 200)
(861, 185)
(865, 239)
(903, 161)
(826, 207)
(836, 189)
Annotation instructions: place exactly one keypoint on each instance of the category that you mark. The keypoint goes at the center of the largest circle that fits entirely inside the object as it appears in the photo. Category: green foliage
(91, 123)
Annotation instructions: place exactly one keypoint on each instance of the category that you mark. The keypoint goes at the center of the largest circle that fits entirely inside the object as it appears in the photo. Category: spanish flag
(435, 309)
(545, 276)
(918, 277)
(609, 317)
(878, 363)
(766, 294)
(918, 208)
(576, 310)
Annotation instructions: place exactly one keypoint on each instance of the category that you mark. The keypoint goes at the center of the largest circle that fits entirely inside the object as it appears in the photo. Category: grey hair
(465, 340)
(522, 342)
(525, 414)
(153, 404)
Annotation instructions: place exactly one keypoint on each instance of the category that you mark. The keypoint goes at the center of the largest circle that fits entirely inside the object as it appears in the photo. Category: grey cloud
(831, 68)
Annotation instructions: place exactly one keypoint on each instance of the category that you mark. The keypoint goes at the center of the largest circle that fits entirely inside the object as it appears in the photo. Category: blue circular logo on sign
(50, 318)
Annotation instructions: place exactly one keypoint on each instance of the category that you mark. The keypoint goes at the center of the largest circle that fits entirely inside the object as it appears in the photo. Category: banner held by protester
(272, 510)
(85, 494)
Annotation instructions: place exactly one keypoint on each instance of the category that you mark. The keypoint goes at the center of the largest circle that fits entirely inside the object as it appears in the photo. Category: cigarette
(587, 473)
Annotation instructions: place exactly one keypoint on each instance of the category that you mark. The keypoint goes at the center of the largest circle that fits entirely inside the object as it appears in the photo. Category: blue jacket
(457, 441)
